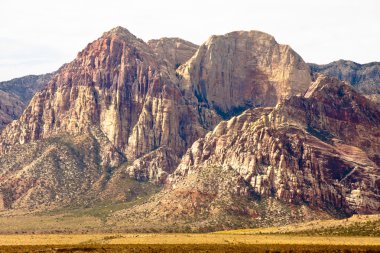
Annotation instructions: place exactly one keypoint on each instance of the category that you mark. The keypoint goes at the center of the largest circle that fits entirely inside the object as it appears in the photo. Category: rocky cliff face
(174, 51)
(364, 77)
(240, 70)
(117, 84)
(16, 94)
(320, 150)
(310, 155)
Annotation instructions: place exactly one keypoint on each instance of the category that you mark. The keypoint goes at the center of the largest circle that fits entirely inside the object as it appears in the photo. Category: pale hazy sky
(39, 36)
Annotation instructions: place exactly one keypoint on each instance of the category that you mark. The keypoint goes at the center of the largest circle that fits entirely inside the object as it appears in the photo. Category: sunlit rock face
(174, 51)
(321, 149)
(117, 84)
(239, 70)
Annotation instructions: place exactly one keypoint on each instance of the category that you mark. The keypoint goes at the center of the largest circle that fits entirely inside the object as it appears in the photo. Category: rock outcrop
(310, 156)
(154, 166)
(320, 149)
(239, 70)
(174, 51)
(117, 84)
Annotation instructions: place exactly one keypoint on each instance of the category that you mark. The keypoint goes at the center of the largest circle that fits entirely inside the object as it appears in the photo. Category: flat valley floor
(212, 242)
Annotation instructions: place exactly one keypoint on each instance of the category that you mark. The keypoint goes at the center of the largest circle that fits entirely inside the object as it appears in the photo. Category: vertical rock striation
(239, 70)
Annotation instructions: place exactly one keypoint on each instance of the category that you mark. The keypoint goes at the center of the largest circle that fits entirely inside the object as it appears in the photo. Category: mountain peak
(252, 34)
(119, 31)
(322, 82)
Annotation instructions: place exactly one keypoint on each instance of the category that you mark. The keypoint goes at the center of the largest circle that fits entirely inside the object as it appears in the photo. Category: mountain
(25, 87)
(309, 156)
(232, 133)
(130, 93)
(364, 77)
(11, 108)
(16, 94)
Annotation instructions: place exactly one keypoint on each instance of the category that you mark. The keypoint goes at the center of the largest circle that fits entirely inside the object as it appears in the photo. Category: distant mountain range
(237, 132)
(16, 94)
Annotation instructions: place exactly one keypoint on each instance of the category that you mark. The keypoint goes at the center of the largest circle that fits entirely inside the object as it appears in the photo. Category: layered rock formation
(310, 155)
(321, 150)
(130, 91)
(117, 84)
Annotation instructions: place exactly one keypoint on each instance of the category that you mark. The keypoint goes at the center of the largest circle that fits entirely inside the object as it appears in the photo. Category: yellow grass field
(117, 243)
(314, 236)
(117, 239)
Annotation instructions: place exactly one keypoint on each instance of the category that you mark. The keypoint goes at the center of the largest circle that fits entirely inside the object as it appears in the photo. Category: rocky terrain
(317, 151)
(55, 172)
(129, 90)
(16, 94)
(233, 131)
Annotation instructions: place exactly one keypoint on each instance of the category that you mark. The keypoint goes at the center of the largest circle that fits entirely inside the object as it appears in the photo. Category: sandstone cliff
(117, 84)
(321, 149)
(239, 70)
(174, 51)
(118, 87)
(315, 154)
